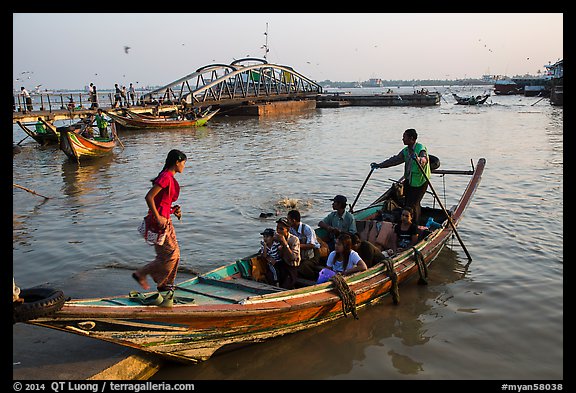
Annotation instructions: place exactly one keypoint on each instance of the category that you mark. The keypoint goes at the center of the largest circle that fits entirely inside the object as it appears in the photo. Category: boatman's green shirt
(411, 170)
(40, 128)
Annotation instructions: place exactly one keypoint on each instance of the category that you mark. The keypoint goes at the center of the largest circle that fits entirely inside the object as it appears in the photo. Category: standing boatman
(415, 184)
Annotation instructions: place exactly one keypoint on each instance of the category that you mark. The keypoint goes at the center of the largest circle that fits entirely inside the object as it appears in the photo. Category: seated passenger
(309, 246)
(339, 221)
(40, 127)
(405, 232)
(344, 259)
(290, 252)
(86, 128)
(370, 254)
(269, 251)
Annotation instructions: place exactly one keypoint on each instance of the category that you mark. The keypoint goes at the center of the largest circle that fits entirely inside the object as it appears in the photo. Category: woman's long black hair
(171, 159)
(346, 241)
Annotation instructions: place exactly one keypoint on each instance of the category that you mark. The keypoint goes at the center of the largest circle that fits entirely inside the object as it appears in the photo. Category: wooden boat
(142, 122)
(226, 307)
(49, 137)
(146, 116)
(471, 100)
(78, 147)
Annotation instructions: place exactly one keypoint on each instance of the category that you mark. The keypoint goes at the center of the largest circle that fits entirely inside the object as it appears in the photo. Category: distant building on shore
(373, 82)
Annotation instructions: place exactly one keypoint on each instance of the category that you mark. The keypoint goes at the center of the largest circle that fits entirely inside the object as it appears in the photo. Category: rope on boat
(394, 278)
(347, 296)
(422, 269)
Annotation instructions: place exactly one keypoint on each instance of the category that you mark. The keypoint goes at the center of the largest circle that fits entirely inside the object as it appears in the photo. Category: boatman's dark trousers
(413, 196)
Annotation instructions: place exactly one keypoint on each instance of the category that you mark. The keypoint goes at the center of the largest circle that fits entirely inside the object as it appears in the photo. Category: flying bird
(126, 49)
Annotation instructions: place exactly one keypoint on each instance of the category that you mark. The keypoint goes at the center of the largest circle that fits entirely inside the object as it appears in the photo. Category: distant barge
(336, 100)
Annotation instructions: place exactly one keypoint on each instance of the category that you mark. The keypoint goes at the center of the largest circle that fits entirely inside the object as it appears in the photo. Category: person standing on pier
(93, 96)
(124, 97)
(117, 96)
(164, 192)
(415, 183)
(132, 93)
(27, 99)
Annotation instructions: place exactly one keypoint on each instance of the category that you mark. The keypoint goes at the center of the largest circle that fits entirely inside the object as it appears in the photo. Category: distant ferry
(529, 85)
(506, 86)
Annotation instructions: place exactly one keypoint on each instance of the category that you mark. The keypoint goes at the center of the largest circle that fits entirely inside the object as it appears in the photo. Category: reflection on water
(83, 177)
(20, 230)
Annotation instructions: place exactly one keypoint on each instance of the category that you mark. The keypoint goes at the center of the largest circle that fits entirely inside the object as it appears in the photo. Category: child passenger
(270, 252)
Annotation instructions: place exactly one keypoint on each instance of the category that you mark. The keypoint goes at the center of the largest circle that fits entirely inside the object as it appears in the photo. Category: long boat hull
(133, 122)
(224, 307)
(48, 138)
(77, 147)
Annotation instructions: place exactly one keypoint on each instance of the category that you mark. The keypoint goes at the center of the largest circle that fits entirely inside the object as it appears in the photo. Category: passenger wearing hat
(339, 221)
(290, 252)
(269, 250)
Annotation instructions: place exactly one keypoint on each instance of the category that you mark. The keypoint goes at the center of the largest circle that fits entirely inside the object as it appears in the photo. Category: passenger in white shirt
(309, 246)
(344, 259)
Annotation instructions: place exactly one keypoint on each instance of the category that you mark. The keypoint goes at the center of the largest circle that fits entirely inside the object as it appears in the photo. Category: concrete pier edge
(135, 367)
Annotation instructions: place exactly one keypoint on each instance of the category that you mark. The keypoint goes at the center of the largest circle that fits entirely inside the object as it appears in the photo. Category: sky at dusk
(90, 47)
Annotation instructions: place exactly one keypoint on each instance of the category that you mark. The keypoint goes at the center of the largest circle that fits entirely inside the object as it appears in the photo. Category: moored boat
(46, 135)
(557, 95)
(506, 86)
(140, 121)
(78, 147)
(226, 306)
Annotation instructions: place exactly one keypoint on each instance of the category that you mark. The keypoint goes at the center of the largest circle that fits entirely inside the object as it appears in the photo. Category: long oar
(442, 206)
(18, 144)
(537, 101)
(29, 190)
(116, 135)
(118, 139)
(361, 189)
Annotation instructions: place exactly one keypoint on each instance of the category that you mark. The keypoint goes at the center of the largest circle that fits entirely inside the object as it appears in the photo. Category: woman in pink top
(165, 191)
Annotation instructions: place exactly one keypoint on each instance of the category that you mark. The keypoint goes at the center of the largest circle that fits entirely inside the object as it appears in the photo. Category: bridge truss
(243, 80)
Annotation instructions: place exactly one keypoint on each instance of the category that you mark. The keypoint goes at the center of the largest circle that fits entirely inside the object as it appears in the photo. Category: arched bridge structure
(247, 80)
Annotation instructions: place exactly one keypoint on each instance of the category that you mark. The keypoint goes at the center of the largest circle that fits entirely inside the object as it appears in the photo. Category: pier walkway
(244, 87)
